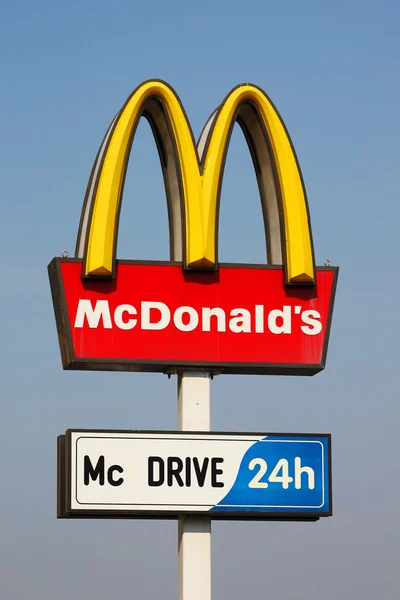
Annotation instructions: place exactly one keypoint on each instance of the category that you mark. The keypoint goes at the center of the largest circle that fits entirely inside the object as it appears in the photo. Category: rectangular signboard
(223, 475)
(159, 317)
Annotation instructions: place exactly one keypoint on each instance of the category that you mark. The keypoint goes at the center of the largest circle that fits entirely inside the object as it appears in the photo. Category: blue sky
(332, 71)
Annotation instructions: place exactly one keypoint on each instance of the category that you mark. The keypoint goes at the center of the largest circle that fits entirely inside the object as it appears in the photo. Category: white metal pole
(194, 533)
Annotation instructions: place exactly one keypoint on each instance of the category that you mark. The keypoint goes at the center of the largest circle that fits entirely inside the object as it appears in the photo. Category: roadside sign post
(194, 533)
(195, 317)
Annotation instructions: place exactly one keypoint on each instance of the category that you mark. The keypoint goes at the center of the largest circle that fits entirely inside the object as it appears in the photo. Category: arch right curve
(282, 191)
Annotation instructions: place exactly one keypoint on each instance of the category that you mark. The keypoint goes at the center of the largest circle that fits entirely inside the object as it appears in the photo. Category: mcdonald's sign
(193, 312)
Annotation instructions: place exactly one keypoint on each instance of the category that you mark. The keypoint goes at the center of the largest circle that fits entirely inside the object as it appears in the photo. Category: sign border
(64, 469)
(71, 362)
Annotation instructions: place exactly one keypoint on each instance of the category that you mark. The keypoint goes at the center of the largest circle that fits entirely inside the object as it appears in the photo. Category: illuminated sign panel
(159, 317)
(235, 475)
(194, 312)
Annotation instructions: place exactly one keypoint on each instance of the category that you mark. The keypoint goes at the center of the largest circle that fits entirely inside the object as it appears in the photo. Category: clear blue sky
(332, 69)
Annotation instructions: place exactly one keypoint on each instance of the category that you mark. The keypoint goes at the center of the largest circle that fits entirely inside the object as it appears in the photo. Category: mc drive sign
(193, 312)
(142, 473)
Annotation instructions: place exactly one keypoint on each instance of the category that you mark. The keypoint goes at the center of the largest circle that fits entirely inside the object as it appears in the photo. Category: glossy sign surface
(243, 475)
(158, 317)
(197, 172)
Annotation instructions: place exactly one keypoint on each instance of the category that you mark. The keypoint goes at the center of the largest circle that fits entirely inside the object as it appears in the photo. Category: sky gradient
(332, 71)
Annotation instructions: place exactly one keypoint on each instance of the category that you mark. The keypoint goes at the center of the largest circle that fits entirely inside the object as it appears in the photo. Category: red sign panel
(159, 317)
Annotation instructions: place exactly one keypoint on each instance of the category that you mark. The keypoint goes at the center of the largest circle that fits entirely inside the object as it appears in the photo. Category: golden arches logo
(193, 179)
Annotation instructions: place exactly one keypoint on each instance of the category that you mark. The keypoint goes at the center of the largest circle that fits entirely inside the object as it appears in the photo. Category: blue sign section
(282, 475)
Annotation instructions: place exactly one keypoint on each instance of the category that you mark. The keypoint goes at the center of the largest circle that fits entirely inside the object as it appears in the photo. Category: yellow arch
(298, 245)
(201, 180)
(100, 252)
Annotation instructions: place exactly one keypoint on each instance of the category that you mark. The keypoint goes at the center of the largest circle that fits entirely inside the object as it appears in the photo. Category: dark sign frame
(64, 510)
(71, 362)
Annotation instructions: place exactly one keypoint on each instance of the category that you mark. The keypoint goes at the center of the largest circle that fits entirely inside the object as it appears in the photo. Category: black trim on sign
(205, 434)
(330, 475)
(61, 461)
(330, 311)
(68, 468)
(73, 363)
(157, 515)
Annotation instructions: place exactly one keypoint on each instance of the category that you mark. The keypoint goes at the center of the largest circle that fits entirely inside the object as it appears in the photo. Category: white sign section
(134, 474)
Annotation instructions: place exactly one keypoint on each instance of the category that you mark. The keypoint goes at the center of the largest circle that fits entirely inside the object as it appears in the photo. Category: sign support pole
(194, 533)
